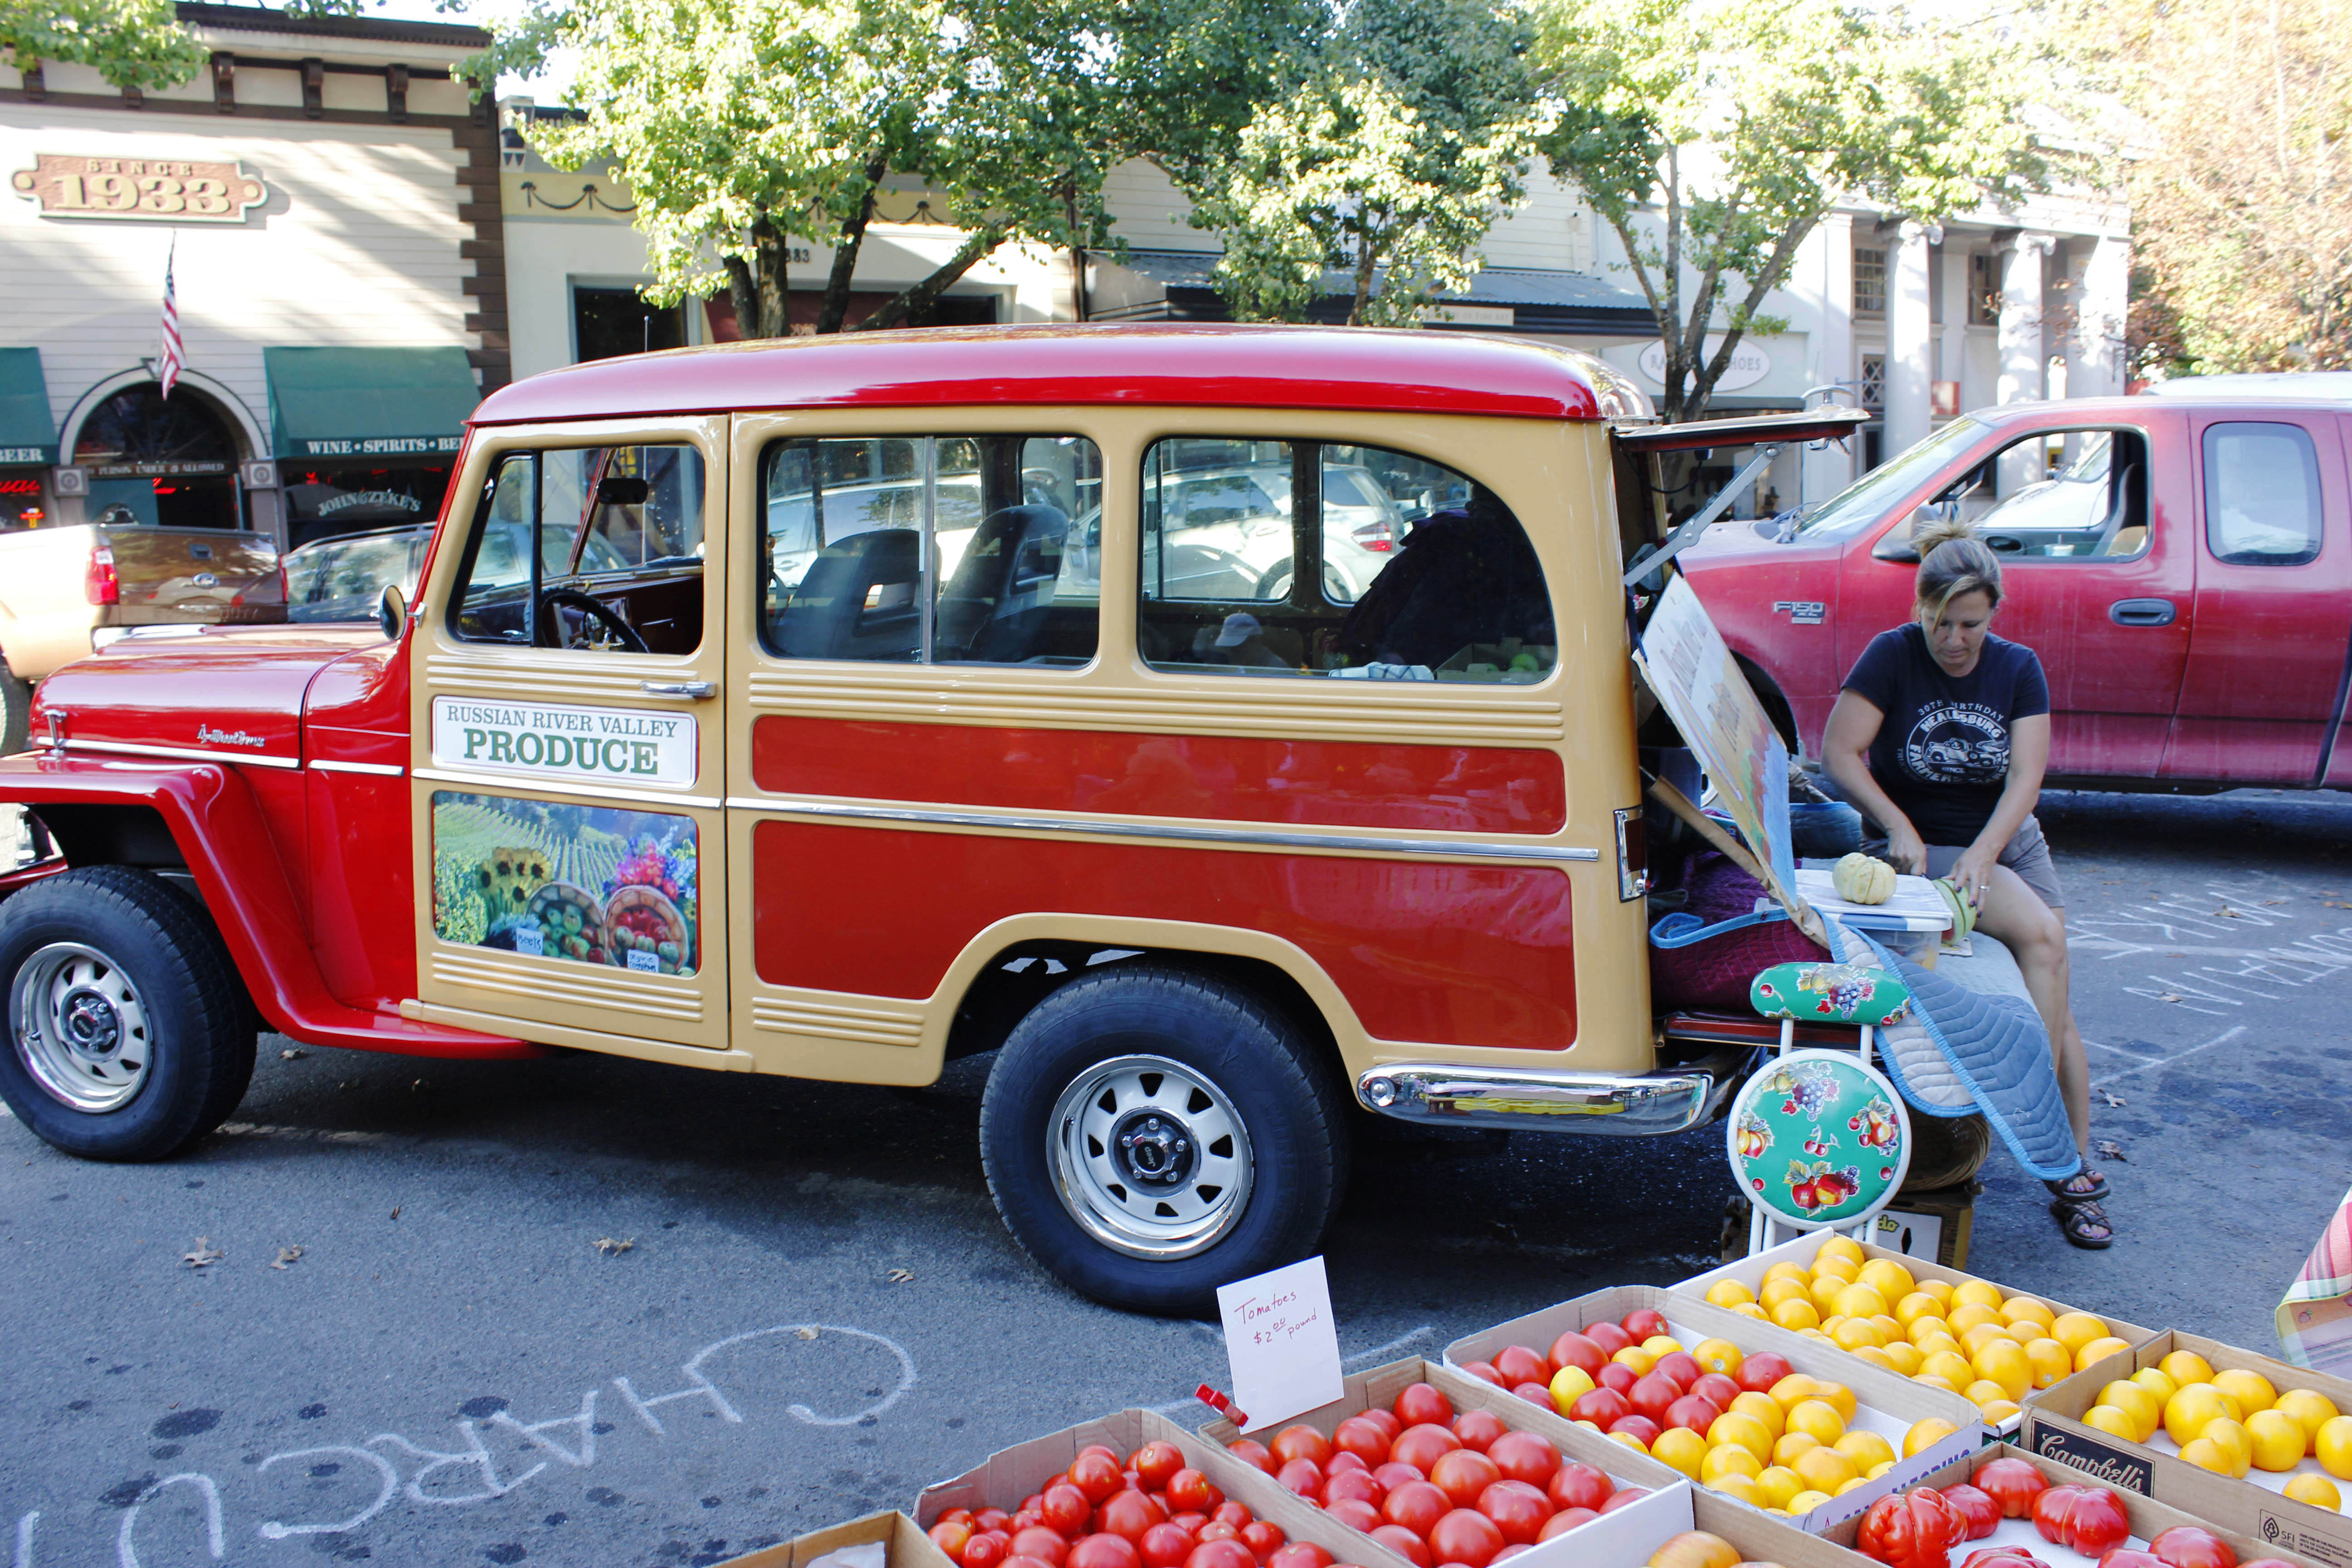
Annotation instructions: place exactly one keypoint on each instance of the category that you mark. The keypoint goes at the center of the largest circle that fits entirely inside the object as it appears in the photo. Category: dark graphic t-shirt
(1942, 752)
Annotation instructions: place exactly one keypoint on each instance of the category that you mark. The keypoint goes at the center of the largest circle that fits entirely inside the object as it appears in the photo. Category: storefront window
(329, 503)
(158, 462)
(21, 505)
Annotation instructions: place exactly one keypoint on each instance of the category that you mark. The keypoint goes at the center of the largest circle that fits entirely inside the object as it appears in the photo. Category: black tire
(196, 1028)
(16, 711)
(1281, 1093)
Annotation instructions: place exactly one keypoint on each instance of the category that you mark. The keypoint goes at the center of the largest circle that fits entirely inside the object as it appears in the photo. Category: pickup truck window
(933, 549)
(1312, 558)
(2261, 494)
(2062, 495)
(1865, 500)
(596, 548)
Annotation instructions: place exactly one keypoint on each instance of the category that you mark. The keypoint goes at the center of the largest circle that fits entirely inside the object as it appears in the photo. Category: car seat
(996, 606)
(859, 600)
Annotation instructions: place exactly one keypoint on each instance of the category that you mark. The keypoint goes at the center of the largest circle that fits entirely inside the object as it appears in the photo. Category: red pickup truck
(2182, 564)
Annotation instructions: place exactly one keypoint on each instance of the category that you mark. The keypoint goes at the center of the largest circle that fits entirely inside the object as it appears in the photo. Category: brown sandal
(2084, 1223)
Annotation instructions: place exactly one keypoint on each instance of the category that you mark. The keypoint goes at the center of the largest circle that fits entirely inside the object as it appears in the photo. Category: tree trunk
(919, 299)
(760, 286)
(835, 308)
(1364, 257)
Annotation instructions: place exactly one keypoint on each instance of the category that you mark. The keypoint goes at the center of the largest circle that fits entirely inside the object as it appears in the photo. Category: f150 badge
(1800, 612)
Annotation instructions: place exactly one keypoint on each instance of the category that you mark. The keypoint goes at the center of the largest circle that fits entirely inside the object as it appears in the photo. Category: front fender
(216, 825)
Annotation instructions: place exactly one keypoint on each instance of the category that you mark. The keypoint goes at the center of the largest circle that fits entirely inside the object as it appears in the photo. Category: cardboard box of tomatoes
(2058, 1426)
(1886, 1403)
(2018, 1512)
(877, 1540)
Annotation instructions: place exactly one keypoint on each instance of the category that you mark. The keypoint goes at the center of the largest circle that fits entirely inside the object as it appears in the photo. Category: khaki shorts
(2028, 855)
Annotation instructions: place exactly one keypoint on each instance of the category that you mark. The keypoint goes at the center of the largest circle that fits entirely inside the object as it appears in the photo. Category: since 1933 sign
(623, 746)
(166, 190)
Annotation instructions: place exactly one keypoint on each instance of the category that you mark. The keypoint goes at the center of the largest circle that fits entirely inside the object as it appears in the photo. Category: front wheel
(128, 1037)
(1150, 1133)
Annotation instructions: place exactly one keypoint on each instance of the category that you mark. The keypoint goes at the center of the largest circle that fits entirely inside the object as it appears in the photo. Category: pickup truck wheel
(1150, 1133)
(128, 1037)
(16, 711)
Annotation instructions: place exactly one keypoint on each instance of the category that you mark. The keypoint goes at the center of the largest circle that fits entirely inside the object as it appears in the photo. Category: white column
(1952, 360)
(1910, 337)
(2022, 364)
(2095, 356)
(1832, 469)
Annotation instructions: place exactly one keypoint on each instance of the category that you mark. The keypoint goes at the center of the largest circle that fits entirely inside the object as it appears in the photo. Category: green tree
(135, 43)
(1713, 136)
(1395, 139)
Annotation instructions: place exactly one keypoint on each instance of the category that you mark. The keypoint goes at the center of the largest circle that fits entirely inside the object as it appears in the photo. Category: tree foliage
(1746, 121)
(136, 44)
(1395, 137)
(2240, 175)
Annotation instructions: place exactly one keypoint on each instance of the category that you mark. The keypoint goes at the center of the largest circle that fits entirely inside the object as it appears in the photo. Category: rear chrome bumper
(1618, 1105)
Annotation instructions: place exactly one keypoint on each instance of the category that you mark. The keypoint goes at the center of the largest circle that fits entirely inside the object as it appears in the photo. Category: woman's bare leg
(2036, 933)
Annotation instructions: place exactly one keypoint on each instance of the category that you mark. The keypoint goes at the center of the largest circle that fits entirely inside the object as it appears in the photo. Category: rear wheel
(1150, 1133)
(128, 1033)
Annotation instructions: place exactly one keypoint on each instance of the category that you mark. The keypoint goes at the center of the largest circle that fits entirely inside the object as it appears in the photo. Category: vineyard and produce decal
(1815, 1138)
(581, 882)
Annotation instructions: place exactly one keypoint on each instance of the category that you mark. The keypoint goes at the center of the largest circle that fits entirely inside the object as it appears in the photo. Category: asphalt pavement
(593, 1311)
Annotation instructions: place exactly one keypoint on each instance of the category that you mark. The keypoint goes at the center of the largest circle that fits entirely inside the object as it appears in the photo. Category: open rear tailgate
(1755, 429)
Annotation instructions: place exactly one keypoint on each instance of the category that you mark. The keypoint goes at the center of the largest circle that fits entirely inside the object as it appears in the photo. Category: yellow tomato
(1778, 1483)
(2117, 1422)
(1635, 1357)
(1903, 1358)
(1825, 1290)
(1858, 1301)
(1918, 1304)
(2205, 1457)
(1974, 1341)
(2229, 1435)
(1840, 1397)
(1873, 1355)
(1743, 1431)
(1804, 1502)
(1750, 1309)
(2076, 1329)
(1763, 1407)
(1743, 1488)
(2187, 1413)
(1839, 1246)
(1569, 1385)
(1932, 1381)
(2278, 1439)
(2147, 1411)
(1865, 1449)
(1969, 1314)
(2050, 1361)
(1784, 1289)
(1953, 1368)
(2252, 1390)
(1815, 1334)
(1857, 1482)
(1855, 1332)
(1984, 1392)
(1892, 1327)
(1926, 1435)
(1717, 1355)
(1939, 1289)
(2185, 1367)
(1791, 1445)
(1825, 1469)
(2150, 1378)
(1662, 1345)
(2333, 1444)
(1878, 1469)
(1796, 1314)
(2097, 1351)
(1728, 1293)
(1817, 1419)
(1978, 1293)
(1997, 1411)
(2004, 1361)
(1792, 1388)
(1938, 1343)
(2317, 1490)
(1795, 1271)
(1726, 1459)
(1890, 1279)
(1835, 1268)
(1630, 1441)
(2311, 1408)
(2026, 1310)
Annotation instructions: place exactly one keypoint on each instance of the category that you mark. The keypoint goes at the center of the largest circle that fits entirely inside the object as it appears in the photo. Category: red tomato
(1365, 1439)
(1534, 1393)
(1506, 1554)
(1478, 1429)
(1617, 1376)
(950, 1535)
(2012, 1483)
(1529, 1457)
(1304, 1477)
(1158, 1460)
(1600, 1407)
(1299, 1554)
(991, 1519)
(1419, 1403)
(1645, 1323)
(1465, 1536)
(1134, 1481)
(1417, 1506)
(955, 1516)
(1190, 1523)
(1045, 1544)
(1028, 1518)
(1300, 1442)
(1717, 1389)
(1032, 1503)
(1624, 1499)
(1236, 1514)
(1681, 1367)
(1610, 1338)
(2125, 1557)
(2187, 1546)
(1262, 1539)
(1065, 1508)
(1356, 1515)
(2088, 1518)
(1396, 1472)
(985, 1550)
(1423, 1447)
(1519, 1365)
(1248, 1451)
(1386, 1420)
(1485, 1371)
(1915, 1530)
(1104, 1550)
(1166, 1546)
(1129, 1515)
(1984, 1514)
(1652, 1394)
(1760, 1371)
(2011, 1557)
(1018, 1561)
(1638, 1425)
(1576, 1485)
(1519, 1510)
(1105, 1449)
(1220, 1555)
(1357, 1484)
(1343, 1461)
(1462, 1475)
(1404, 1542)
(1693, 1412)
(1188, 1491)
(1217, 1529)
(1096, 1475)
(1563, 1522)
(1572, 1349)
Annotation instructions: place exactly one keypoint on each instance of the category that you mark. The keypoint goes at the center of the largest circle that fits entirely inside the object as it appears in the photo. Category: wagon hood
(233, 693)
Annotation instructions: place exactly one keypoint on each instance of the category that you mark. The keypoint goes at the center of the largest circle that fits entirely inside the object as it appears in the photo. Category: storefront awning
(368, 403)
(27, 434)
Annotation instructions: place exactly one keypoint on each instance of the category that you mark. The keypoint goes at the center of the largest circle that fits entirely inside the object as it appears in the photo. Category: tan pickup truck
(67, 591)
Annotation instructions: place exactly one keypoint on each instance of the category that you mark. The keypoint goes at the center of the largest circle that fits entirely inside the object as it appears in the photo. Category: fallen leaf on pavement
(608, 1248)
(2111, 1096)
(205, 1252)
(2336, 904)
(294, 1054)
(900, 1275)
(805, 1332)
(2107, 1150)
(2169, 996)
(395, 1213)
(286, 1255)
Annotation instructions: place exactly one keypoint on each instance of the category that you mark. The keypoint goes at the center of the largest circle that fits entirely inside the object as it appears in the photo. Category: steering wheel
(548, 629)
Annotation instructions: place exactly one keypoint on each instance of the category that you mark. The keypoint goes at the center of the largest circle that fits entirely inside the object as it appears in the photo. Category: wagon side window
(932, 549)
(1263, 557)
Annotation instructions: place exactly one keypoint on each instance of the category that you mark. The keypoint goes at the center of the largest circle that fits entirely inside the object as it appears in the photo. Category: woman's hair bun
(1953, 558)
(1942, 532)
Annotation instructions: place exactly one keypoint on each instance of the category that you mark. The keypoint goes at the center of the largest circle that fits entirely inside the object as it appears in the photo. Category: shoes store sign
(164, 190)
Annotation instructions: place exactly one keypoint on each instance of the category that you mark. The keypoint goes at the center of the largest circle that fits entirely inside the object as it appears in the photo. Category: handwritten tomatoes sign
(576, 745)
(1281, 1342)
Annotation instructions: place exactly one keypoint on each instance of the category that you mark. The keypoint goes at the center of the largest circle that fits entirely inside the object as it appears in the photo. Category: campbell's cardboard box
(1750, 1272)
(1007, 1476)
(2149, 1518)
(2055, 1429)
(877, 1540)
(1888, 1403)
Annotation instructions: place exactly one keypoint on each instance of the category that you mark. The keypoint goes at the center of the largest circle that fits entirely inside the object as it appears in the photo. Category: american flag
(174, 358)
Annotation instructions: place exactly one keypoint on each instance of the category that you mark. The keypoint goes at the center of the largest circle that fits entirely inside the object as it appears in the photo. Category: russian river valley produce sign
(577, 745)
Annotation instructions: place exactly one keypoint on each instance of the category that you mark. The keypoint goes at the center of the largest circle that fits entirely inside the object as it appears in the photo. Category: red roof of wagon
(1217, 366)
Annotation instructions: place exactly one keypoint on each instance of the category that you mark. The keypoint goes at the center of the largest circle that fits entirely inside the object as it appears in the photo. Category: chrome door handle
(2141, 612)
(696, 689)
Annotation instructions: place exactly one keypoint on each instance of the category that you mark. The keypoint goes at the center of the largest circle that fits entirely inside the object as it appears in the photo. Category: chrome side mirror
(392, 612)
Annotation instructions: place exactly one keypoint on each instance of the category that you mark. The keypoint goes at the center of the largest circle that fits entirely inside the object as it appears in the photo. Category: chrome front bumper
(1618, 1105)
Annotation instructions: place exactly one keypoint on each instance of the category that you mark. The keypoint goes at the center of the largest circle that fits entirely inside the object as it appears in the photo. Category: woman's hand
(1905, 850)
(1972, 871)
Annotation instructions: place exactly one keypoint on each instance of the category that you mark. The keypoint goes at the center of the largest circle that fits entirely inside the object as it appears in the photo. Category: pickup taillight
(99, 585)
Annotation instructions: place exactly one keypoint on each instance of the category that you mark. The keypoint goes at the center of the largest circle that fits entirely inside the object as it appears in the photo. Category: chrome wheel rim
(80, 1029)
(1151, 1157)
